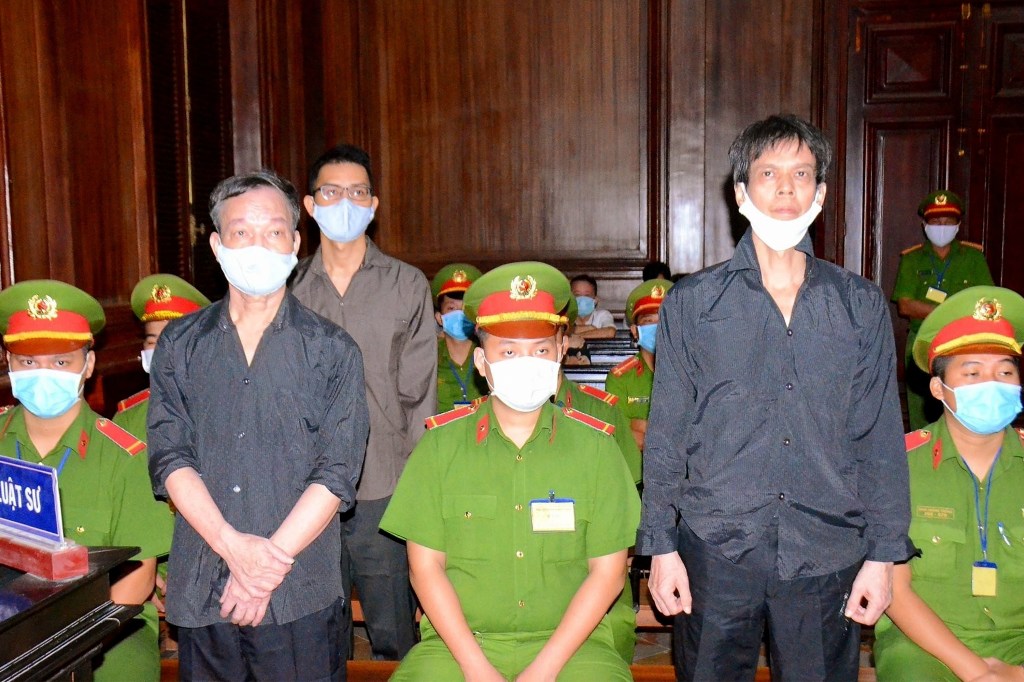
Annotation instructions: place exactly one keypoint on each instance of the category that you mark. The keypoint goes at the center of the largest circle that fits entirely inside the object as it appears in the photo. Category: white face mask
(941, 235)
(343, 222)
(778, 235)
(255, 270)
(524, 383)
(147, 358)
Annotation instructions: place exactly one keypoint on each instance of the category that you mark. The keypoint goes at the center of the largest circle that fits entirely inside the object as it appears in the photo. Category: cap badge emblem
(658, 291)
(988, 310)
(161, 293)
(523, 288)
(459, 276)
(941, 200)
(42, 308)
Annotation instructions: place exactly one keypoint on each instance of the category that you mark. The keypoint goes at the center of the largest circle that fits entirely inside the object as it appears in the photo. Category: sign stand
(31, 533)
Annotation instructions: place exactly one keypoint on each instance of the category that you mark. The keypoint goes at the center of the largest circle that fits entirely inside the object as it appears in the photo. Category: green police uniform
(456, 384)
(632, 381)
(921, 269)
(106, 500)
(945, 529)
(467, 491)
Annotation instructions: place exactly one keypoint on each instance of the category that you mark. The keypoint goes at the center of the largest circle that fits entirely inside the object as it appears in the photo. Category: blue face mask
(344, 221)
(986, 408)
(586, 305)
(647, 335)
(457, 325)
(46, 393)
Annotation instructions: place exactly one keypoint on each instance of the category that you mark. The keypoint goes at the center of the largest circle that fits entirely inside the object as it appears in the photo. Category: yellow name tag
(983, 579)
(557, 516)
(935, 295)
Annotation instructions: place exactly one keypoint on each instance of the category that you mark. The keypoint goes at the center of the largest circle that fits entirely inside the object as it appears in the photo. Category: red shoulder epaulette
(133, 400)
(477, 402)
(973, 245)
(626, 365)
(916, 439)
(450, 416)
(911, 249)
(603, 396)
(123, 439)
(592, 422)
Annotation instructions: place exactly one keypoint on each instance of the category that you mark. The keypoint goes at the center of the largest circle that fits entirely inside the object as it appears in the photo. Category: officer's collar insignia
(988, 310)
(459, 276)
(941, 200)
(523, 288)
(42, 308)
(658, 291)
(161, 293)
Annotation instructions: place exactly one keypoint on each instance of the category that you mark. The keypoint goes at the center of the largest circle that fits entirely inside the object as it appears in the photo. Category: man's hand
(1001, 672)
(669, 584)
(159, 594)
(256, 564)
(243, 608)
(873, 585)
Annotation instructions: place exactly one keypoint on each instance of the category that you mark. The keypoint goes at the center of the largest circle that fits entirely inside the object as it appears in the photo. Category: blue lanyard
(939, 276)
(982, 526)
(63, 460)
(462, 382)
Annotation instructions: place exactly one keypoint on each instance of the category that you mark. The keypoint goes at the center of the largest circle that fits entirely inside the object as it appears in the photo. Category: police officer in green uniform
(928, 273)
(961, 600)
(156, 300)
(106, 498)
(633, 379)
(517, 513)
(457, 383)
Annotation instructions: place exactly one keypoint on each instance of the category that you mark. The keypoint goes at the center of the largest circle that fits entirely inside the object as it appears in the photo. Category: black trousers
(809, 638)
(307, 649)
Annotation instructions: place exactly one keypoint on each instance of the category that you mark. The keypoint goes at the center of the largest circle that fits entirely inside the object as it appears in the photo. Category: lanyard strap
(939, 275)
(458, 378)
(983, 524)
(63, 460)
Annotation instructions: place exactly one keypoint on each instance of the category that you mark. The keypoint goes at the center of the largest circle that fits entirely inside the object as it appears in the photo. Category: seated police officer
(517, 514)
(961, 600)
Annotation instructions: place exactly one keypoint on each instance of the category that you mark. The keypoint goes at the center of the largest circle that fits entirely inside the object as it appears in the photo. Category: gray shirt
(388, 311)
(258, 434)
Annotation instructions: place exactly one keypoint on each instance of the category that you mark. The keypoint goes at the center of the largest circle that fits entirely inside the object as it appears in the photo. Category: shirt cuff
(655, 541)
(895, 550)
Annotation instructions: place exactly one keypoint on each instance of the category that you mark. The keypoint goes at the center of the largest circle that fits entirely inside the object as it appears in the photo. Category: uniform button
(469, 515)
(245, 381)
(987, 610)
(236, 489)
(789, 386)
(782, 496)
(79, 529)
(785, 441)
(521, 603)
(789, 332)
(936, 539)
(519, 554)
(241, 434)
(519, 507)
(519, 458)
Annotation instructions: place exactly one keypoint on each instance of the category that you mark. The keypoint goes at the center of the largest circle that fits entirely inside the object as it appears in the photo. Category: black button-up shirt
(755, 422)
(259, 435)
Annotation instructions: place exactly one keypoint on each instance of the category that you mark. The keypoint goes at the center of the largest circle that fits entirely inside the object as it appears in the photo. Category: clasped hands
(257, 567)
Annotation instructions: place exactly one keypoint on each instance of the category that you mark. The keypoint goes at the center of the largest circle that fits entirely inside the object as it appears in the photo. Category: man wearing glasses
(385, 305)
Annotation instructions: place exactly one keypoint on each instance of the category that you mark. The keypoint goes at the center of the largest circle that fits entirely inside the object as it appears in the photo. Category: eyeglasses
(333, 193)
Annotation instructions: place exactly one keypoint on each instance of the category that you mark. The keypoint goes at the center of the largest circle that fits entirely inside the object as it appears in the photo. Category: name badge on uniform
(935, 295)
(553, 515)
(983, 579)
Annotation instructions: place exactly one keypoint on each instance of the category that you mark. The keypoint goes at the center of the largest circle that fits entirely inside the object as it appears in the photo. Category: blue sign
(29, 500)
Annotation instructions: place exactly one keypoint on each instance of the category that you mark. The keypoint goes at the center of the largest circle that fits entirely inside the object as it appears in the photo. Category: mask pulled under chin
(255, 270)
(524, 384)
(778, 235)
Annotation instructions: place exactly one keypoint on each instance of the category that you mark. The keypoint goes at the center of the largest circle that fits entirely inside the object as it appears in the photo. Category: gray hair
(237, 185)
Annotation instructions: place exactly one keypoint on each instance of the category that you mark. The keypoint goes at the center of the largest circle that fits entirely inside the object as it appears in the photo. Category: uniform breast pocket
(469, 524)
(89, 527)
(940, 544)
(1011, 542)
(560, 546)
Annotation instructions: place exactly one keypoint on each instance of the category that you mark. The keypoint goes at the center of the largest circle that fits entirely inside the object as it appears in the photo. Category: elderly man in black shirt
(257, 433)
(776, 485)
